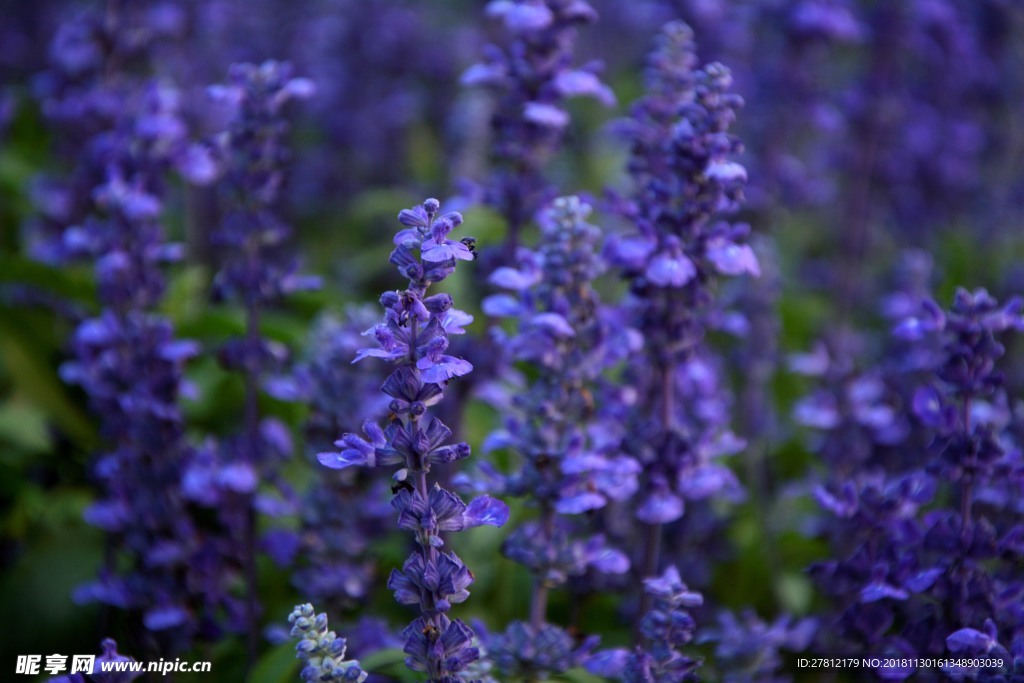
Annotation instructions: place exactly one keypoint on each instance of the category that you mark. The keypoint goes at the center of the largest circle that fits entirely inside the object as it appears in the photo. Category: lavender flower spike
(666, 627)
(685, 184)
(534, 77)
(340, 514)
(124, 134)
(565, 333)
(256, 271)
(929, 546)
(414, 336)
(322, 650)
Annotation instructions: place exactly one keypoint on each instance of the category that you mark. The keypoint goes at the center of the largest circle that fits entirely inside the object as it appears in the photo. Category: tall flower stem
(252, 425)
(652, 533)
(533, 76)
(684, 184)
(256, 271)
(414, 337)
(565, 466)
(539, 597)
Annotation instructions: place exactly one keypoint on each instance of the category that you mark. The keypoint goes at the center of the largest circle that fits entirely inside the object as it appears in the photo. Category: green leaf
(216, 322)
(186, 294)
(382, 659)
(35, 379)
(36, 511)
(278, 665)
(580, 676)
(389, 662)
(35, 590)
(69, 283)
(794, 592)
(24, 427)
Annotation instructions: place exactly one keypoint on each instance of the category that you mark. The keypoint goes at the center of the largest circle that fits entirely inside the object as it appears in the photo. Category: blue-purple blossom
(928, 542)
(666, 627)
(525, 651)
(120, 126)
(256, 269)
(322, 650)
(125, 133)
(371, 107)
(570, 340)
(534, 77)
(684, 183)
(747, 649)
(439, 647)
(342, 513)
(563, 329)
(413, 337)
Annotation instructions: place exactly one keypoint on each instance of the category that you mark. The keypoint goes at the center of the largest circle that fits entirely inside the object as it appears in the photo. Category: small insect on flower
(403, 486)
(589, 406)
(470, 243)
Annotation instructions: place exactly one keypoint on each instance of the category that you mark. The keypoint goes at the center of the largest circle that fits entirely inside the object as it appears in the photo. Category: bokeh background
(883, 144)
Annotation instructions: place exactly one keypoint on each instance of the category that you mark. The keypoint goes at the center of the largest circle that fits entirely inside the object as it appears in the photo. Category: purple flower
(533, 78)
(684, 182)
(560, 330)
(439, 647)
(322, 650)
(730, 258)
(438, 248)
(255, 271)
(123, 134)
(524, 651)
(414, 337)
(747, 648)
(671, 269)
(667, 626)
(919, 511)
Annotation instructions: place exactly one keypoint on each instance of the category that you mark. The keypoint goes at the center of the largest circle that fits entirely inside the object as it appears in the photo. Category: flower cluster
(535, 76)
(927, 562)
(369, 121)
(747, 648)
(143, 424)
(564, 331)
(684, 179)
(414, 336)
(256, 270)
(343, 512)
(942, 48)
(128, 134)
(528, 652)
(120, 127)
(322, 650)
(613, 366)
(568, 465)
(667, 626)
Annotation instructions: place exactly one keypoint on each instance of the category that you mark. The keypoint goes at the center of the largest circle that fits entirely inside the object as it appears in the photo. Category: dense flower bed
(703, 367)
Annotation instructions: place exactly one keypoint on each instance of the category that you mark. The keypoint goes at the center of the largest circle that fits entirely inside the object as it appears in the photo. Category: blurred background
(882, 142)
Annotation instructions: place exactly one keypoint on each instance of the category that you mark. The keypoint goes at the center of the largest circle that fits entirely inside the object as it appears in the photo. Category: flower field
(512, 341)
